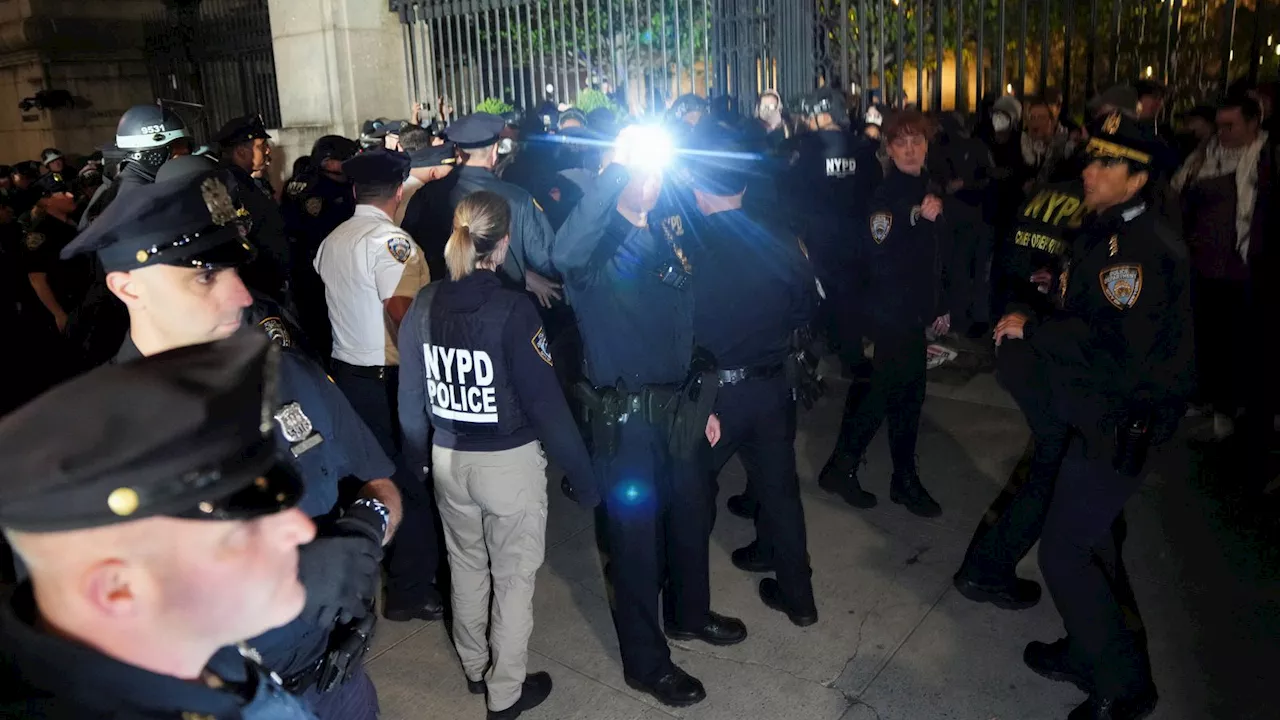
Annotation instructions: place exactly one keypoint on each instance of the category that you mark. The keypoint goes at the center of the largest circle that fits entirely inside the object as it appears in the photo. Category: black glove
(340, 574)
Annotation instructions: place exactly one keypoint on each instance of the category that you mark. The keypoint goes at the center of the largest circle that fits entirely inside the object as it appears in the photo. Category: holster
(801, 365)
(602, 413)
(347, 647)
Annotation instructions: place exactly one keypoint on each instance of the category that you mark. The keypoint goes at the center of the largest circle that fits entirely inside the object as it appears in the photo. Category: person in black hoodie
(907, 249)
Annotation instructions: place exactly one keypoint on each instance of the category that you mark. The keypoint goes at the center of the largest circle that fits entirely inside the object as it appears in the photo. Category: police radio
(672, 275)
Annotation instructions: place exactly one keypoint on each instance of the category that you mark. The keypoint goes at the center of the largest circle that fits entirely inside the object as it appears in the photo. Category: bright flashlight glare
(647, 147)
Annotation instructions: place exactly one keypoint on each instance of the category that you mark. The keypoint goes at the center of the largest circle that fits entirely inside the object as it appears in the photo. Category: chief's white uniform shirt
(364, 262)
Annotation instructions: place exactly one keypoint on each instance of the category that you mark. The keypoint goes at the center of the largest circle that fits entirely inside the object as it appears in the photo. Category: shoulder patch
(34, 240)
(881, 222)
(399, 248)
(314, 206)
(276, 331)
(1121, 284)
(539, 342)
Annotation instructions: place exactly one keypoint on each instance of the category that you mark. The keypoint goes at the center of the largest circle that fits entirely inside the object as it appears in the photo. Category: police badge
(314, 206)
(400, 249)
(34, 241)
(293, 422)
(881, 222)
(297, 429)
(1121, 284)
(221, 208)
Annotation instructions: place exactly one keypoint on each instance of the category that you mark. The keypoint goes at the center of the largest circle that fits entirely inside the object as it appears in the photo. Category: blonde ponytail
(480, 223)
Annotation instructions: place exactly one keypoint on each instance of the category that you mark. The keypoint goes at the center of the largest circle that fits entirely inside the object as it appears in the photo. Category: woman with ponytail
(476, 374)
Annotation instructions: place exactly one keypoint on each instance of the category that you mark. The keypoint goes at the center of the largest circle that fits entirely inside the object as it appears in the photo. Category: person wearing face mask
(907, 246)
(147, 136)
(772, 122)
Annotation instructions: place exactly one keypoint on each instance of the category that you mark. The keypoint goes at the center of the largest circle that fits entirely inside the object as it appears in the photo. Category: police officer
(246, 153)
(428, 220)
(631, 291)
(158, 529)
(477, 371)
(907, 250)
(53, 161)
(528, 263)
(147, 135)
(61, 285)
(372, 271)
(1117, 359)
(1033, 260)
(245, 144)
(753, 291)
(170, 252)
(314, 203)
(830, 181)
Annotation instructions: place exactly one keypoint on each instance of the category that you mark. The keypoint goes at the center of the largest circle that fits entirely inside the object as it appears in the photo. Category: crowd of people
(301, 388)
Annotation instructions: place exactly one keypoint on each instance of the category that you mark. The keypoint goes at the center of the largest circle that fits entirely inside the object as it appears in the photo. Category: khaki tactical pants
(494, 509)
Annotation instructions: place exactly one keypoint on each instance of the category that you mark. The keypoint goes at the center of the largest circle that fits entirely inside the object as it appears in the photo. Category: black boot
(1053, 661)
(840, 476)
(1135, 707)
(906, 490)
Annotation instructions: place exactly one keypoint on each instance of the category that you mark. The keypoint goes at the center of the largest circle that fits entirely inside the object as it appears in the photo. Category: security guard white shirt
(364, 262)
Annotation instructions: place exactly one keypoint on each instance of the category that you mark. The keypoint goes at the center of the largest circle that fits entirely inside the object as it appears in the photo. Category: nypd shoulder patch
(539, 342)
(276, 331)
(1121, 284)
(881, 223)
(314, 206)
(400, 249)
(34, 240)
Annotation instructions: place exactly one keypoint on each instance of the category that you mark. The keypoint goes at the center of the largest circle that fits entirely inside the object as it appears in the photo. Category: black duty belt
(370, 372)
(304, 680)
(733, 376)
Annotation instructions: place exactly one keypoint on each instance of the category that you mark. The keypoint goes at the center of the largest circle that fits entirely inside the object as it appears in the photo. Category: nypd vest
(467, 382)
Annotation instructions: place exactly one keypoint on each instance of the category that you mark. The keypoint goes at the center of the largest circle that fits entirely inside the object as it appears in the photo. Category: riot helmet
(147, 135)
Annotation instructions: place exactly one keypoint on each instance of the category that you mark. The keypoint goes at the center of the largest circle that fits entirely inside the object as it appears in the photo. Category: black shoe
(1017, 594)
(432, 608)
(535, 689)
(476, 687)
(742, 506)
(840, 476)
(1128, 708)
(751, 559)
(1053, 661)
(771, 594)
(906, 490)
(719, 630)
(675, 688)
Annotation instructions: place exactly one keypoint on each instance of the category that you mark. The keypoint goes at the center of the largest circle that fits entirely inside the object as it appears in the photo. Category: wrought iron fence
(213, 61)
(938, 54)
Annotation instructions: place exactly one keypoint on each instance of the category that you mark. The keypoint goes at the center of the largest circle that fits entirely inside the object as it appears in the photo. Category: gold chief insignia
(221, 208)
(1113, 245)
(881, 222)
(1121, 284)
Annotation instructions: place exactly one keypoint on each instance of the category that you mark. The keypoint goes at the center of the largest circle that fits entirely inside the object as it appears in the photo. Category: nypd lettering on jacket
(841, 167)
(460, 384)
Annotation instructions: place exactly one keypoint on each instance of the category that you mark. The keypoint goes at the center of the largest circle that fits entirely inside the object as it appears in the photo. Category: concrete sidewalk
(895, 641)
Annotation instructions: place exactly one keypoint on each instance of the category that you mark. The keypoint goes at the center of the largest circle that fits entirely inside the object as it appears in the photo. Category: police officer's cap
(824, 100)
(688, 103)
(377, 167)
(242, 130)
(572, 114)
(375, 129)
(333, 147)
(476, 130)
(52, 183)
(1119, 137)
(189, 222)
(183, 434)
(434, 155)
(49, 155)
